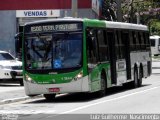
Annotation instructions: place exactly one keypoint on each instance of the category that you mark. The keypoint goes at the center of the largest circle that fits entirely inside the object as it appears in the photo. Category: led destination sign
(57, 27)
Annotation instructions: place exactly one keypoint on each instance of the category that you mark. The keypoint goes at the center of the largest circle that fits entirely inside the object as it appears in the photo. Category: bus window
(92, 50)
(134, 41)
(49, 52)
(147, 41)
(103, 52)
(122, 43)
(141, 39)
(117, 45)
(138, 41)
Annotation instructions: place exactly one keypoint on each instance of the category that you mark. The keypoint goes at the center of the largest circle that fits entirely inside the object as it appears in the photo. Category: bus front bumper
(81, 85)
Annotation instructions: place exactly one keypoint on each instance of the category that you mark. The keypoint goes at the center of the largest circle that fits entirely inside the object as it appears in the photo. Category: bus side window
(144, 38)
(117, 45)
(126, 41)
(122, 44)
(134, 41)
(142, 41)
(138, 46)
(92, 51)
(103, 47)
(131, 41)
(147, 41)
(139, 41)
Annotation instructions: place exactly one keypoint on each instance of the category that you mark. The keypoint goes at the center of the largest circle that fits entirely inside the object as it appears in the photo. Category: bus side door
(112, 54)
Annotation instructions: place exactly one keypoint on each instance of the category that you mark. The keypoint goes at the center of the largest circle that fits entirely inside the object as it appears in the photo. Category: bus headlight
(29, 79)
(79, 76)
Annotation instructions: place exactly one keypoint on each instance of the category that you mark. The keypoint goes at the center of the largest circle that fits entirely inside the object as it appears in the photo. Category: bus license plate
(54, 89)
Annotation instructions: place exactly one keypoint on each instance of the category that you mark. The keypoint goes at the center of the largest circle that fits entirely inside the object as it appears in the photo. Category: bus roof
(126, 26)
(95, 23)
(154, 37)
(116, 25)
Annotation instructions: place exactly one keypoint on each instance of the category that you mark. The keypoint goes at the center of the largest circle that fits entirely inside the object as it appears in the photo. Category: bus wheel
(140, 78)
(49, 97)
(102, 92)
(135, 84)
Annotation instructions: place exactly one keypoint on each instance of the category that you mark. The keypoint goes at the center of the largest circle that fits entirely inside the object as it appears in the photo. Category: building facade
(15, 13)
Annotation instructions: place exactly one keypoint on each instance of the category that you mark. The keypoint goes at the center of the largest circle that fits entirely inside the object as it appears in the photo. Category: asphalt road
(119, 100)
(11, 91)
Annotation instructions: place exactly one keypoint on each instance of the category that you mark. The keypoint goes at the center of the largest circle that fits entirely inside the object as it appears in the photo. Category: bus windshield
(60, 50)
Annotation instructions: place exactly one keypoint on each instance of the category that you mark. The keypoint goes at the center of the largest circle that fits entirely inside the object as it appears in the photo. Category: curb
(7, 101)
(13, 100)
(155, 70)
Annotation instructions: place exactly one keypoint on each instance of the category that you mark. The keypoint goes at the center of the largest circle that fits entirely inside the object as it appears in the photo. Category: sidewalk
(13, 94)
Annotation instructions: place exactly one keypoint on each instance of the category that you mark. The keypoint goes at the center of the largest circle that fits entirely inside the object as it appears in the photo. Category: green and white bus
(72, 55)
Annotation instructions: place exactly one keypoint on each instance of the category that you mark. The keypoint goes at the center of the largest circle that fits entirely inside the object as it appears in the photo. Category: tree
(143, 12)
(109, 10)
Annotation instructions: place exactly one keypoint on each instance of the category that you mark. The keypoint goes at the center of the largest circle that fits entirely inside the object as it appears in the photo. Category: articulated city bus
(74, 55)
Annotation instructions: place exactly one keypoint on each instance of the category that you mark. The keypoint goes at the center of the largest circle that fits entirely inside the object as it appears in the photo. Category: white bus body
(155, 45)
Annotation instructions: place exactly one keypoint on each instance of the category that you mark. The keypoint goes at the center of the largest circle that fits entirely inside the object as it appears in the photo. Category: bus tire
(140, 77)
(102, 92)
(49, 97)
(134, 83)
